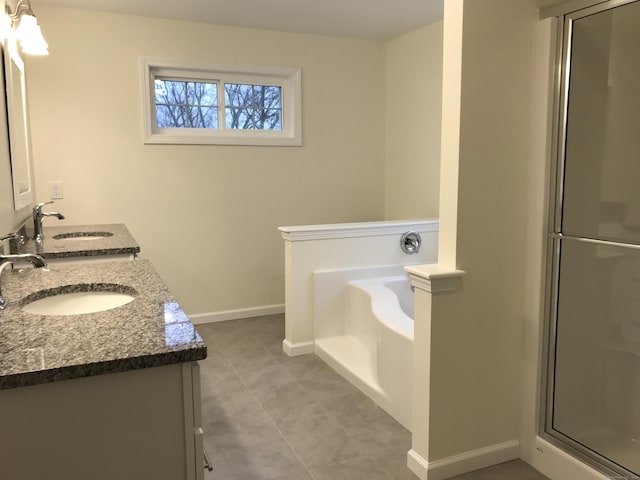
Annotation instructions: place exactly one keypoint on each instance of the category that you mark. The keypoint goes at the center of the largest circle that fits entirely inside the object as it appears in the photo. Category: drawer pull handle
(207, 463)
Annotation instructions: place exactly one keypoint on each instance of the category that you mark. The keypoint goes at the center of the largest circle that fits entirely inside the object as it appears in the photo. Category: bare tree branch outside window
(253, 107)
(189, 104)
(184, 104)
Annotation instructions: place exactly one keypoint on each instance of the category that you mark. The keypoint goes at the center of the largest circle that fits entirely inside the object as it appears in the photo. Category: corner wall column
(432, 283)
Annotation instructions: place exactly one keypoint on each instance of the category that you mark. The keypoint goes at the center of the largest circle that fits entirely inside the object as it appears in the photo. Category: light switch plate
(55, 190)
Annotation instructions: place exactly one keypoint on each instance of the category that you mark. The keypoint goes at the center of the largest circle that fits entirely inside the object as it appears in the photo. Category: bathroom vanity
(100, 395)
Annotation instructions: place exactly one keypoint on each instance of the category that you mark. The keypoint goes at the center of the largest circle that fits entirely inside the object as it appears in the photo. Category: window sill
(203, 139)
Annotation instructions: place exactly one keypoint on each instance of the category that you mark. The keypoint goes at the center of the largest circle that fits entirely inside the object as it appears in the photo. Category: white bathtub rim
(370, 272)
(385, 304)
(340, 303)
(324, 349)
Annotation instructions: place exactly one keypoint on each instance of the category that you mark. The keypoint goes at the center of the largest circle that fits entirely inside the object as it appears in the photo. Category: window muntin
(238, 105)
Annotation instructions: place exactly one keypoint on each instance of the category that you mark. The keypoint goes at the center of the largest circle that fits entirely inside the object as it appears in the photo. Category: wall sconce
(27, 30)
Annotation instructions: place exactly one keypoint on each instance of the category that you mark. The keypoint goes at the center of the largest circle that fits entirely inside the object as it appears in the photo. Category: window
(241, 105)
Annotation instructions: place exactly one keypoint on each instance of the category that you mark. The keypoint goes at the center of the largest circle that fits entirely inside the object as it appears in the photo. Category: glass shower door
(593, 403)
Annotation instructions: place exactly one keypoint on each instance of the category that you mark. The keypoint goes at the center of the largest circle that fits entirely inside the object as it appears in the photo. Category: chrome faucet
(15, 236)
(38, 236)
(5, 260)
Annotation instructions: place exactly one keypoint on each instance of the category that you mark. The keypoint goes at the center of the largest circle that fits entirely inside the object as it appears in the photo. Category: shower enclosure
(592, 405)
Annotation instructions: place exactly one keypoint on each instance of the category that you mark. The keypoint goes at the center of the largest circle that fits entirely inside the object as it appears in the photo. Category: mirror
(19, 138)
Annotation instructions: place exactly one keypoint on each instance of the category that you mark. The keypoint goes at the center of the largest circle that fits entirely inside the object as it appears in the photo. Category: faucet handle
(10, 236)
(16, 237)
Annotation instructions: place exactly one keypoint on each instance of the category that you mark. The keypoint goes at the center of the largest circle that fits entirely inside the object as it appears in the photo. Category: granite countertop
(120, 242)
(150, 331)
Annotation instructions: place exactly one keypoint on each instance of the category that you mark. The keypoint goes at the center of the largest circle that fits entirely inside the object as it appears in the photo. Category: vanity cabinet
(103, 395)
(137, 424)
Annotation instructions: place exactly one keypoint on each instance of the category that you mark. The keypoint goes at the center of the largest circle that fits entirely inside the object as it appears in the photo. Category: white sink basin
(77, 303)
(82, 235)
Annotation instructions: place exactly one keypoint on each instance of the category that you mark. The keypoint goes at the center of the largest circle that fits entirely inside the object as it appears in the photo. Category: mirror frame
(18, 122)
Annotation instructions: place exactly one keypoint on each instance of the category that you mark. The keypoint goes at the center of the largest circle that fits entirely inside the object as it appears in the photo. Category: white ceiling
(375, 19)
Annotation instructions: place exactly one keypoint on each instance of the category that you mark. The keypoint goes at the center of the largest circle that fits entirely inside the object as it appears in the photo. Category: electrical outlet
(55, 190)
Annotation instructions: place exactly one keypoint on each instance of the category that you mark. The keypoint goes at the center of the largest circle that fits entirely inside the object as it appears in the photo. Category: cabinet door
(104, 427)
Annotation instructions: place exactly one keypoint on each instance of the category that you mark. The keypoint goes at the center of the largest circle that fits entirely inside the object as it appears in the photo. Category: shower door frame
(555, 238)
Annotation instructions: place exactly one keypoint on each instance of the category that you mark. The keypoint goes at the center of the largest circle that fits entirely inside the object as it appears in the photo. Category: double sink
(83, 298)
(96, 309)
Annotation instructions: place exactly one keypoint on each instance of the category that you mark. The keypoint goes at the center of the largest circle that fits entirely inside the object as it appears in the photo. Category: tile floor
(270, 416)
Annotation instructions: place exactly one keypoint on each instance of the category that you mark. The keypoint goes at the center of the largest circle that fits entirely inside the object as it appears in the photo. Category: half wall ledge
(435, 278)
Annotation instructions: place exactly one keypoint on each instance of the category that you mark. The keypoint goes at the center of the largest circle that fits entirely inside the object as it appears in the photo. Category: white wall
(206, 216)
(491, 145)
(414, 113)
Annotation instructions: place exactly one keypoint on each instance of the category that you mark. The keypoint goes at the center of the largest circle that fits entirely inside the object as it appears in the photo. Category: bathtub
(363, 328)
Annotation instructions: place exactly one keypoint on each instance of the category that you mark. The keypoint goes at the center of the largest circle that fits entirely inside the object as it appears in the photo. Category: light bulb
(30, 36)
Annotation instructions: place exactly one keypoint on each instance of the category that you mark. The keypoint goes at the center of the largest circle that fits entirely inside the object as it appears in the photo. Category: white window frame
(288, 78)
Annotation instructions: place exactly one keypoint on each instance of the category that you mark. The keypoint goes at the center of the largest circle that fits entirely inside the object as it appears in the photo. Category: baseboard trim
(464, 462)
(211, 317)
(295, 349)
(417, 464)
